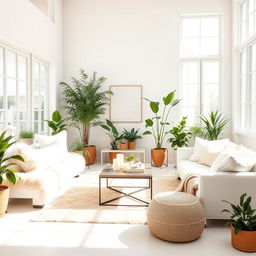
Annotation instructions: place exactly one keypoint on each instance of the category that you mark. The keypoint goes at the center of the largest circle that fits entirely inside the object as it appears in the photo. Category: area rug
(80, 203)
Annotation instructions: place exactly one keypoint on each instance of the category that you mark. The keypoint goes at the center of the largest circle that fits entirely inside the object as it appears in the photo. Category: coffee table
(108, 173)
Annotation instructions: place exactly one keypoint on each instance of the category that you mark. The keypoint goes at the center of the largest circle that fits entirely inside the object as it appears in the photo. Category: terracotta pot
(244, 241)
(131, 145)
(27, 141)
(112, 155)
(90, 155)
(158, 156)
(123, 146)
(4, 199)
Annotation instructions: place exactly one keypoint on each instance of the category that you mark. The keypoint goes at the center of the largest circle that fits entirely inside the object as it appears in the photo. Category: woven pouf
(176, 217)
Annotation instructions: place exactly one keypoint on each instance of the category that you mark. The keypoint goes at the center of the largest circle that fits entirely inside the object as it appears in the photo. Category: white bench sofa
(216, 186)
(47, 170)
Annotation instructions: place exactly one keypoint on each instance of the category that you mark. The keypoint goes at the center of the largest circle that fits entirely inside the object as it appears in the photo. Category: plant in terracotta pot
(131, 136)
(158, 124)
(26, 136)
(243, 224)
(79, 148)
(85, 102)
(180, 136)
(6, 170)
(122, 145)
(57, 124)
(115, 137)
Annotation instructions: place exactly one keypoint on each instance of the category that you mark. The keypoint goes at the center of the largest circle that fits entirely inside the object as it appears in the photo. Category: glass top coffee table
(108, 173)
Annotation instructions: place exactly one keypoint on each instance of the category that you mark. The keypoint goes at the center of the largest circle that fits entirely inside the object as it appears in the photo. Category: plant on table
(57, 124)
(85, 102)
(158, 124)
(213, 125)
(243, 224)
(5, 169)
(26, 136)
(131, 136)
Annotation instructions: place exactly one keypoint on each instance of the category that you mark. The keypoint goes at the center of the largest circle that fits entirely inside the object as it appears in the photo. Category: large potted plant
(85, 103)
(114, 136)
(131, 136)
(6, 170)
(213, 125)
(57, 124)
(243, 224)
(158, 125)
(179, 137)
(26, 136)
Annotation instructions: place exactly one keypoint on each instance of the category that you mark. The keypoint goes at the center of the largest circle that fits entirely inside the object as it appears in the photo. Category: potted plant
(6, 170)
(57, 123)
(131, 136)
(115, 137)
(122, 145)
(158, 124)
(213, 125)
(85, 103)
(243, 224)
(179, 136)
(26, 136)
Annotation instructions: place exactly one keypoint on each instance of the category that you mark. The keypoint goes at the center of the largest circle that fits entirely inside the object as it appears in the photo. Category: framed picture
(126, 104)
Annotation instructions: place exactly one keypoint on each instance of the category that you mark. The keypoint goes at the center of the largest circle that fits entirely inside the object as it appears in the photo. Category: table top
(108, 172)
(123, 150)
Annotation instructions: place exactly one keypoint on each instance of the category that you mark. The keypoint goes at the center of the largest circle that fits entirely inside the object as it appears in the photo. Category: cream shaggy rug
(80, 203)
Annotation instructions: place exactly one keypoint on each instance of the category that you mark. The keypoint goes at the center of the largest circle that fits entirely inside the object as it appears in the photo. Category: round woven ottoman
(176, 217)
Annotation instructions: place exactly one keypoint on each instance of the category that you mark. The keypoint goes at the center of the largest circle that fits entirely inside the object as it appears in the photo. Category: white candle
(120, 157)
(116, 164)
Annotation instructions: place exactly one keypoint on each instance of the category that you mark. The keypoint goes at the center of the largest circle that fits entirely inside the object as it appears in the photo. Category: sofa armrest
(217, 186)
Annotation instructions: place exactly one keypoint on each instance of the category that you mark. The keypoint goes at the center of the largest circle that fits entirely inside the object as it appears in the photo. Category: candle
(116, 164)
(120, 157)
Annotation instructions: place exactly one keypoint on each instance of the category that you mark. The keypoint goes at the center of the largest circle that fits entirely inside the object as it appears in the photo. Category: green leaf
(175, 102)
(168, 99)
(154, 106)
(56, 116)
(147, 133)
(105, 127)
(149, 123)
(242, 199)
(1, 179)
(11, 177)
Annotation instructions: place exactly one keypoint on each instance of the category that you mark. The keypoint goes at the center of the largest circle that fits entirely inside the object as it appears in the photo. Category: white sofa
(216, 186)
(48, 169)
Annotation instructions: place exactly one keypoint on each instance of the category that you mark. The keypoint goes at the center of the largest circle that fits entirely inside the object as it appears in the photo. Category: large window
(16, 93)
(247, 70)
(200, 53)
(13, 89)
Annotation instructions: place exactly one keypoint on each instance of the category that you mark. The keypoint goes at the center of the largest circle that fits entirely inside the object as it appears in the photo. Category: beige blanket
(189, 184)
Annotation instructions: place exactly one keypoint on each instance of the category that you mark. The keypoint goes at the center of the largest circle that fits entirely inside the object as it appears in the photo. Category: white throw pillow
(202, 146)
(59, 139)
(234, 160)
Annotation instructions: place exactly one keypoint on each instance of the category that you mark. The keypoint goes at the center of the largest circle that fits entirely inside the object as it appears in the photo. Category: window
(13, 89)
(247, 19)
(40, 94)
(200, 65)
(247, 63)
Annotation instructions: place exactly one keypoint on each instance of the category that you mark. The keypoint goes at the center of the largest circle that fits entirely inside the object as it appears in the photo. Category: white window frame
(29, 82)
(244, 46)
(200, 59)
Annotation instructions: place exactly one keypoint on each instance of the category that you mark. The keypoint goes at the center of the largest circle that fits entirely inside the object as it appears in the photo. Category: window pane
(192, 115)
(190, 72)
(210, 72)
(1, 93)
(22, 68)
(191, 47)
(11, 64)
(191, 27)
(243, 116)
(22, 95)
(210, 27)
(1, 61)
(11, 93)
(210, 46)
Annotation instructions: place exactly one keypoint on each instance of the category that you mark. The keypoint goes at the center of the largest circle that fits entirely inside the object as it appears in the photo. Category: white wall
(135, 42)
(25, 26)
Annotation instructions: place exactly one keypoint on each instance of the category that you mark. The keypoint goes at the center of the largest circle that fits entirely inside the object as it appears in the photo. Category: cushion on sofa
(206, 151)
(189, 167)
(234, 160)
(59, 139)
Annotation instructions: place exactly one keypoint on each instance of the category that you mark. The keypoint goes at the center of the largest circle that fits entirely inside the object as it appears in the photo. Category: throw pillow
(59, 139)
(202, 146)
(234, 160)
